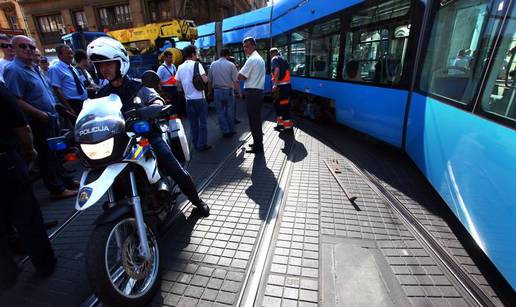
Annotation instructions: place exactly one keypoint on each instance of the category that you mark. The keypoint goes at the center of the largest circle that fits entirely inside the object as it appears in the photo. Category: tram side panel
(376, 111)
(463, 139)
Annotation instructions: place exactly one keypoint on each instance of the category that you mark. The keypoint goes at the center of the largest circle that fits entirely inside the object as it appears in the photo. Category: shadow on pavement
(262, 178)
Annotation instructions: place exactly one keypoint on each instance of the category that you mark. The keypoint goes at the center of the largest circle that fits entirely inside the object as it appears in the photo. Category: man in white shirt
(8, 50)
(196, 104)
(167, 75)
(253, 73)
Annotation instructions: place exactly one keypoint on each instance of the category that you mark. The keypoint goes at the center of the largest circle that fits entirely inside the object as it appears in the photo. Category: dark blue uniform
(166, 159)
(19, 206)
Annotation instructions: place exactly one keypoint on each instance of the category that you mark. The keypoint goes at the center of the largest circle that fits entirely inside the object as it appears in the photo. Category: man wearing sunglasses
(37, 101)
(7, 49)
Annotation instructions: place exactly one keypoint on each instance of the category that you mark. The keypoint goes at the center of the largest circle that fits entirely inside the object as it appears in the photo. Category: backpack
(197, 80)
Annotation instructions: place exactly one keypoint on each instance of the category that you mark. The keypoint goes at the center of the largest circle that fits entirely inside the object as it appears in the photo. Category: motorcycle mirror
(150, 79)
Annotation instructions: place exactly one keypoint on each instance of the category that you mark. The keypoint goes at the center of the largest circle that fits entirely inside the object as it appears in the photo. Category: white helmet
(107, 49)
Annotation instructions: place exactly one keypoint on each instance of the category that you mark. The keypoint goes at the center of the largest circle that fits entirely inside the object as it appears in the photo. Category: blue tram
(436, 79)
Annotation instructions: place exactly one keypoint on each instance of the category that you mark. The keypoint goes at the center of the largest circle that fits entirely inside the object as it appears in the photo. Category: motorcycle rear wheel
(117, 274)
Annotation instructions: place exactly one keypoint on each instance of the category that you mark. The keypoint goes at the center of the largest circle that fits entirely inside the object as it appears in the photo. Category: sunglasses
(25, 46)
(5, 46)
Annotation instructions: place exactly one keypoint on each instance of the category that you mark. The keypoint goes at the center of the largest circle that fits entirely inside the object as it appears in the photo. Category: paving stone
(226, 297)
(308, 295)
(276, 280)
(271, 301)
(275, 291)
(291, 293)
(209, 294)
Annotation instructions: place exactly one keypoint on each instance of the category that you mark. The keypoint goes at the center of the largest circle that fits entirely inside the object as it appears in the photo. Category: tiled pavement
(332, 253)
(68, 286)
(325, 251)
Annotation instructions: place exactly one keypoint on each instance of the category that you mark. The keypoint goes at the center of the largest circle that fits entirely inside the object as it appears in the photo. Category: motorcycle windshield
(99, 120)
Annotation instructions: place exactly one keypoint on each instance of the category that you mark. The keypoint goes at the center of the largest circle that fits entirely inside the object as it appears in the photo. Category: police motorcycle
(123, 255)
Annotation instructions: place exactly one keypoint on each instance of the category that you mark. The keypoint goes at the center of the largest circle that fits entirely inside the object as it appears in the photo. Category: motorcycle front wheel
(117, 273)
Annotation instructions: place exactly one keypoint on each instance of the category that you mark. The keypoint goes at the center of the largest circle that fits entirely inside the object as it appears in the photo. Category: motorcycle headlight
(100, 150)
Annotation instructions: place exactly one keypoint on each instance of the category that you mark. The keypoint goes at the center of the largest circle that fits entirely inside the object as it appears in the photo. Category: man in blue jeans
(223, 79)
(196, 104)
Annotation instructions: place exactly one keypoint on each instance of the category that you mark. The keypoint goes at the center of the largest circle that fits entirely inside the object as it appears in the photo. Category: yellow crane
(149, 39)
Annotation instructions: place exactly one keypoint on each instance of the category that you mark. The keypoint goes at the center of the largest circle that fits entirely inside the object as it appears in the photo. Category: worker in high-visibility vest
(167, 75)
(280, 72)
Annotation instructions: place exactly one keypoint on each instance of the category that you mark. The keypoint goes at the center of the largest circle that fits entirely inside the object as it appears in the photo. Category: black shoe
(204, 148)
(237, 122)
(255, 150)
(251, 145)
(279, 128)
(202, 209)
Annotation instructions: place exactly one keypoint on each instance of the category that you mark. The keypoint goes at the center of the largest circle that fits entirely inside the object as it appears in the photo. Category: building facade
(11, 18)
(48, 20)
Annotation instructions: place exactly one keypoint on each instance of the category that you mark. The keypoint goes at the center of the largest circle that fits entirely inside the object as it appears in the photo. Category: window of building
(499, 97)
(462, 34)
(115, 16)
(51, 23)
(160, 10)
(81, 20)
(13, 22)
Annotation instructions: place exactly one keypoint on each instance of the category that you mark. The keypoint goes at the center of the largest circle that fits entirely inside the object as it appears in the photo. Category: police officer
(112, 63)
(280, 75)
(19, 206)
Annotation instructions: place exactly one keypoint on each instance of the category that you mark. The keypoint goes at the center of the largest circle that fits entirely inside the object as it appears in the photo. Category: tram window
(324, 56)
(238, 52)
(499, 96)
(263, 50)
(462, 34)
(207, 55)
(297, 59)
(280, 40)
(377, 42)
(324, 49)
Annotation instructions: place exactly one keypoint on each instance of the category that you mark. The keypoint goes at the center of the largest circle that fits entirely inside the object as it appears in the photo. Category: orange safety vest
(171, 80)
(286, 78)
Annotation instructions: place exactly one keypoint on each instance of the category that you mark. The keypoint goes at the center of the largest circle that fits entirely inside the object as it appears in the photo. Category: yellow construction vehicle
(146, 43)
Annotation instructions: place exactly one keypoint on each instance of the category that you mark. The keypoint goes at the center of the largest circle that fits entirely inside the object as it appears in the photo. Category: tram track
(445, 260)
(424, 236)
(184, 205)
(254, 273)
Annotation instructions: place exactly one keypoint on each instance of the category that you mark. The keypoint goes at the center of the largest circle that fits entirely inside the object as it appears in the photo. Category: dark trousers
(169, 164)
(20, 209)
(254, 102)
(171, 97)
(53, 173)
(282, 103)
(76, 105)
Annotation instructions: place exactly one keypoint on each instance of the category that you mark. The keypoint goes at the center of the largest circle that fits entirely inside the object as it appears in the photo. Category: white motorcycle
(123, 256)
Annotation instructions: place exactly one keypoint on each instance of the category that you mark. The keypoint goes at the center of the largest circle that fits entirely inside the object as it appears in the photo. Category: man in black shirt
(19, 206)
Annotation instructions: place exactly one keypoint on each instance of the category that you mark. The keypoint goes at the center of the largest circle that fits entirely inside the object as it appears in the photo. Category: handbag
(197, 80)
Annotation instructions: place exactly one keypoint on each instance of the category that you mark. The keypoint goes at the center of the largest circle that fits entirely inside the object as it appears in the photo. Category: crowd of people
(32, 90)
